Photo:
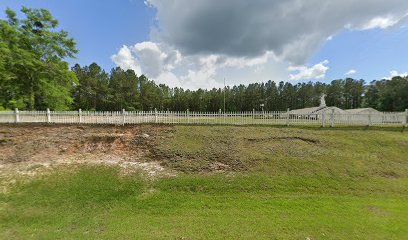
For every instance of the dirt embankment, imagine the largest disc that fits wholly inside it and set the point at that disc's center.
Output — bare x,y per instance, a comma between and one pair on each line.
26,149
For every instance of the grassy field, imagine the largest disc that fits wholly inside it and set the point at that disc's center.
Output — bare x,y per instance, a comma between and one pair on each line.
231,183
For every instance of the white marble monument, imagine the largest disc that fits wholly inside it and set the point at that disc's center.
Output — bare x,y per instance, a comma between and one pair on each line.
322,100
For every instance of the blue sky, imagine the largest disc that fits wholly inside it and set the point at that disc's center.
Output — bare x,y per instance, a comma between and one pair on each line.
100,28
372,53
198,44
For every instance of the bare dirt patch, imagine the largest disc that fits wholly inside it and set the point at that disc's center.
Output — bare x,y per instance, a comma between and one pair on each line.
404,143
377,211
308,140
389,174
28,149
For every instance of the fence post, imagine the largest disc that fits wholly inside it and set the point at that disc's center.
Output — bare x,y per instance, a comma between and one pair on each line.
220,117
123,117
48,115
369,119
253,116
188,116
287,117
155,115
323,118
17,119
332,118
406,117
80,115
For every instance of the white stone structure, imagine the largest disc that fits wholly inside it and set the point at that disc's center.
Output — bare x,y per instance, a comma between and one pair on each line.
322,100
317,112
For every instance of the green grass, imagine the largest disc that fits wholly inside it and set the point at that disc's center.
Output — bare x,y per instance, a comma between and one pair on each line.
351,184
340,152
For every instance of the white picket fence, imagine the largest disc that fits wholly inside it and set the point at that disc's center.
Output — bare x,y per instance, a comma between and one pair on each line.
328,118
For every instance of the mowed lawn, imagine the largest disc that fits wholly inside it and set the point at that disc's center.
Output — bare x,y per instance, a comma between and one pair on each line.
232,183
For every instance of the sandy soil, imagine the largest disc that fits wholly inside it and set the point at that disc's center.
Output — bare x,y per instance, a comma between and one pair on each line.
28,149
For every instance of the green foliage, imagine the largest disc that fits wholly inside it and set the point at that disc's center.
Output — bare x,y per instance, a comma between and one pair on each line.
100,91
346,94
92,90
388,95
123,89
118,90
33,74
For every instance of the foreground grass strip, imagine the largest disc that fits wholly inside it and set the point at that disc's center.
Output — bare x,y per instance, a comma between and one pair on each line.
97,202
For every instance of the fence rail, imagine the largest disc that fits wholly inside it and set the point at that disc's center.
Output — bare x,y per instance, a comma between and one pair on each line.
328,118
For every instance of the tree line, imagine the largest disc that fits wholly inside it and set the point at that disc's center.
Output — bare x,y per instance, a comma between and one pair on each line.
119,89
35,75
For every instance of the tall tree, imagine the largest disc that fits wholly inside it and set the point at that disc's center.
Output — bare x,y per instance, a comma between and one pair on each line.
124,90
35,75
393,94
92,92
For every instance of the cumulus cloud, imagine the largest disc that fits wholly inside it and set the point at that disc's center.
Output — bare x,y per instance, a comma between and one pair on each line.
159,61
350,72
126,60
151,59
154,59
396,74
382,22
195,44
317,71
292,29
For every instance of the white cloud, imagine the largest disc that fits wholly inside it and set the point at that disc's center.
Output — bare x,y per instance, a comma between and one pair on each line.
151,59
293,29
155,59
168,78
241,62
166,65
382,22
195,44
317,71
396,74
350,72
203,70
126,60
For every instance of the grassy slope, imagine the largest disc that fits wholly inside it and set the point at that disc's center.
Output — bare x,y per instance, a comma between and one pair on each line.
338,184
